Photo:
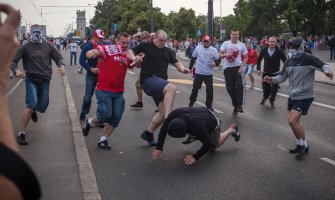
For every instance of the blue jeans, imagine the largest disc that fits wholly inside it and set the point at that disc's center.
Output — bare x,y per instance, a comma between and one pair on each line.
91,81
110,107
37,95
73,54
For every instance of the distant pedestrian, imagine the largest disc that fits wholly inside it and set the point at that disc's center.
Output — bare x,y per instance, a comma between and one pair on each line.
331,45
300,70
232,51
181,122
64,44
57,43
73,46
37,76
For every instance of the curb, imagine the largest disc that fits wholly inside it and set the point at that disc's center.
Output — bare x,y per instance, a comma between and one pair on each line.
88,181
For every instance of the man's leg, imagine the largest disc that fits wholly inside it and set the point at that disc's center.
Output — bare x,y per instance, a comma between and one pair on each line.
233,130
209,91
299,133
158,119
91,82
25,118
197,82
230,86
75,58
274,90
266,90
71,54
239,91
169,95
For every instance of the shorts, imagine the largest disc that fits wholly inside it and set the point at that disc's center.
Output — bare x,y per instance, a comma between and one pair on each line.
111,106
247,69
138,83
154,86
215,136
37,95
301,105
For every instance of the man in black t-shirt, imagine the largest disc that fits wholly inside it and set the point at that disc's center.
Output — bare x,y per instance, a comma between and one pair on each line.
153,78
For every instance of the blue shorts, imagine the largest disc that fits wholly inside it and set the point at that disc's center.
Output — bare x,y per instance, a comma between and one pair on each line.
37,95
247,69
154,86
301,105
110,107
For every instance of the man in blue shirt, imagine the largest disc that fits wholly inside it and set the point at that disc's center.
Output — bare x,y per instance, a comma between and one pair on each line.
208,58
92,71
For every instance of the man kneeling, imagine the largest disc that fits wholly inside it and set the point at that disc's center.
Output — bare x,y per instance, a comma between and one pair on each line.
201,124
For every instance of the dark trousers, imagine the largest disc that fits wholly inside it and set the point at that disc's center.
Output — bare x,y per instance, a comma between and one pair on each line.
234,85
269,90
197,83
91,82
73,54
332,52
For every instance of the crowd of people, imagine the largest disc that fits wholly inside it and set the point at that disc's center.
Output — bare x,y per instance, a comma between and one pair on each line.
106,64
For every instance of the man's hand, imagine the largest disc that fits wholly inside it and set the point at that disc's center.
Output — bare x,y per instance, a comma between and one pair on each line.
240,70
189,160
185,71
330,75
267,79
62,71
92,54
258,72
212,64
19,74
8,40
156,153
94,70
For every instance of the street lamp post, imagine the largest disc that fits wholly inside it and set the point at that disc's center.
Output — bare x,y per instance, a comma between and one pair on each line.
151,18
210,19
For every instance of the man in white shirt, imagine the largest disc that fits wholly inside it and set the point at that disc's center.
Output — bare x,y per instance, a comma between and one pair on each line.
73,46
231,51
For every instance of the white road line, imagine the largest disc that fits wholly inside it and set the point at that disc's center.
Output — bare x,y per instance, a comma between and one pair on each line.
12,90
216,110
281,147
328,160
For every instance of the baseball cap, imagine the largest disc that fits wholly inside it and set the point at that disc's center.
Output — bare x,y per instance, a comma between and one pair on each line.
206,37
99,34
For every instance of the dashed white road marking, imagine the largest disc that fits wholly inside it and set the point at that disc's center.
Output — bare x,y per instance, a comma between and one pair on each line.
328,160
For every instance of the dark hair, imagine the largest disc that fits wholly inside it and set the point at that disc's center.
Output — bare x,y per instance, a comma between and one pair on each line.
234,30
123,34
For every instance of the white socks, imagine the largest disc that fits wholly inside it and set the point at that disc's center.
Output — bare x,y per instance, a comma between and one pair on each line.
302,142
102,138
21,133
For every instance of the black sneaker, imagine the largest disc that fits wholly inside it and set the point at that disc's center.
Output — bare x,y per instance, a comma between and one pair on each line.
211,109
21,139
149,137
262,102
190,105
237,134
34,116
190,139
301,152
240,109
104,145
86,128
82,116
137,105
235,111
295,150
272,104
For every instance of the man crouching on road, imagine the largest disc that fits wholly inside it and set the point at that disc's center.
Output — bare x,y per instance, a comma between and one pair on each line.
110,87
181,121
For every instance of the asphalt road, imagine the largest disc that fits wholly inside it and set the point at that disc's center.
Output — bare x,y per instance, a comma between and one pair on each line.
257,167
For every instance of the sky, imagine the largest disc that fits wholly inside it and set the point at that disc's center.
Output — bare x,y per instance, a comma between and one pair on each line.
57,18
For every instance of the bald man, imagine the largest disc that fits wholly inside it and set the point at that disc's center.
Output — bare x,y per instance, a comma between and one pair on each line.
153,78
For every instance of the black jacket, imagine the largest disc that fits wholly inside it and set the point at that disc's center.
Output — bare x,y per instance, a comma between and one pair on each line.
271,63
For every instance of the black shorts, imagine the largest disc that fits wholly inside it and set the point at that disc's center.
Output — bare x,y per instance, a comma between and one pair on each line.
301,105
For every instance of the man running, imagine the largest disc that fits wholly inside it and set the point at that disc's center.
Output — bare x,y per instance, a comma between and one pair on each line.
272,55
36,55
231,51
110,87
208,58
300,69
153,78
181,122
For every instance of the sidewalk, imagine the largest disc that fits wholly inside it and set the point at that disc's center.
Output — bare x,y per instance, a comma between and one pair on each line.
319,76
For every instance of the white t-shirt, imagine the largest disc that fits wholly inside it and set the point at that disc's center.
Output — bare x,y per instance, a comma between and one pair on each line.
235,50
57,41
205,56
73,47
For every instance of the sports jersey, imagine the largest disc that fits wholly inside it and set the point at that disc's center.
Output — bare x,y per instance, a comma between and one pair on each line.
235,51
205,56
113,68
